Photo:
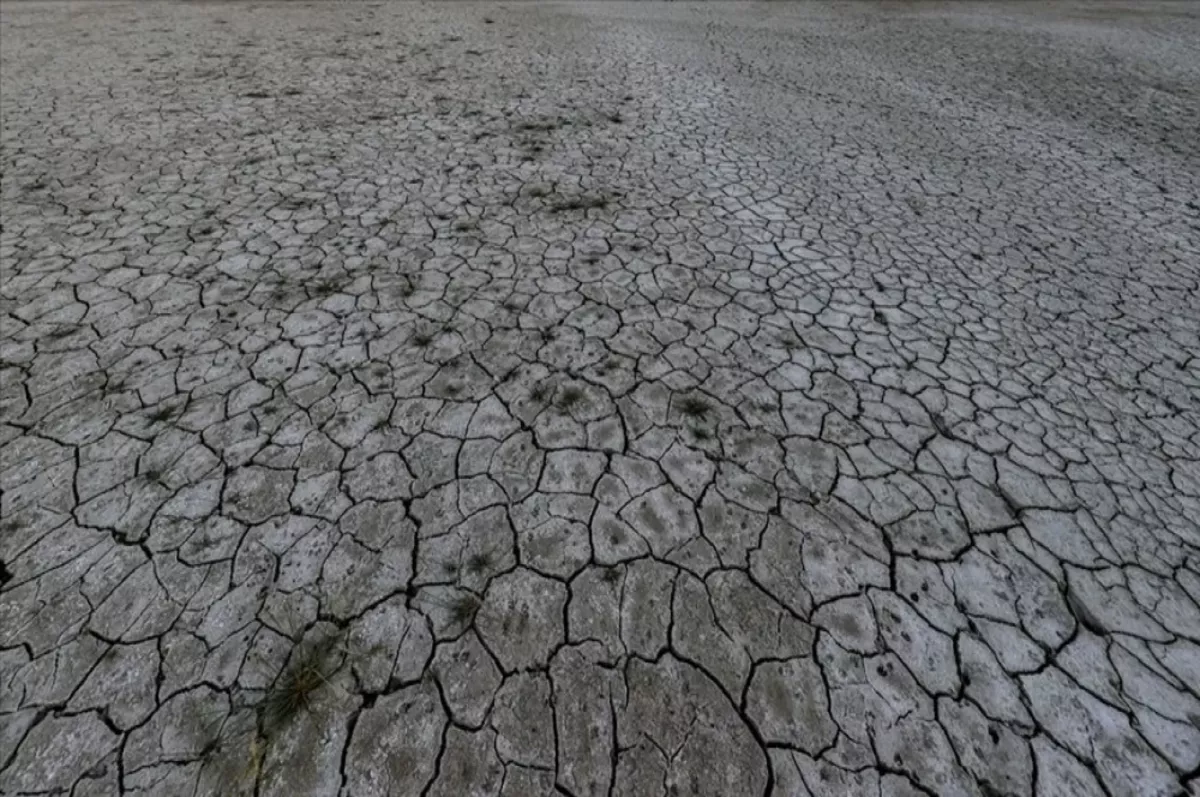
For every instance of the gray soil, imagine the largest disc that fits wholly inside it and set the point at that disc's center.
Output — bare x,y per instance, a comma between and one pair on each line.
600,399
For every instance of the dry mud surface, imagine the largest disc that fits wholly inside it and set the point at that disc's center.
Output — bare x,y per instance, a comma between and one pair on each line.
600,399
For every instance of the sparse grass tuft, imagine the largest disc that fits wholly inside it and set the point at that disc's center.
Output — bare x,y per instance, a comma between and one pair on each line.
543,126
580,203
325,288
540,393
694,407
569,397
310,669
463,609
479,562
701,434
611,575
422,339
162,413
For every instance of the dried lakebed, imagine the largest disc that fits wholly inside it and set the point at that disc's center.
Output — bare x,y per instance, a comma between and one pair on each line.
599,399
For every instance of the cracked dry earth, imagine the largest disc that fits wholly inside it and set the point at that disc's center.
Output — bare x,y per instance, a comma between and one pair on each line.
612,399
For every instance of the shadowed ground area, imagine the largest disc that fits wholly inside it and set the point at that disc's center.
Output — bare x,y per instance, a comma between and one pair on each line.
600,399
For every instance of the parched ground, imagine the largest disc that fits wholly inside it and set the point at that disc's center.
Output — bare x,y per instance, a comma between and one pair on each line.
608,399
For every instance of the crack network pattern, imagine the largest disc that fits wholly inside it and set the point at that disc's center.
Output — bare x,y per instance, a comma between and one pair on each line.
600,399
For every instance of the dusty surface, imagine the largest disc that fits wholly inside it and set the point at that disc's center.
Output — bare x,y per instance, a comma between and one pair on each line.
600,400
